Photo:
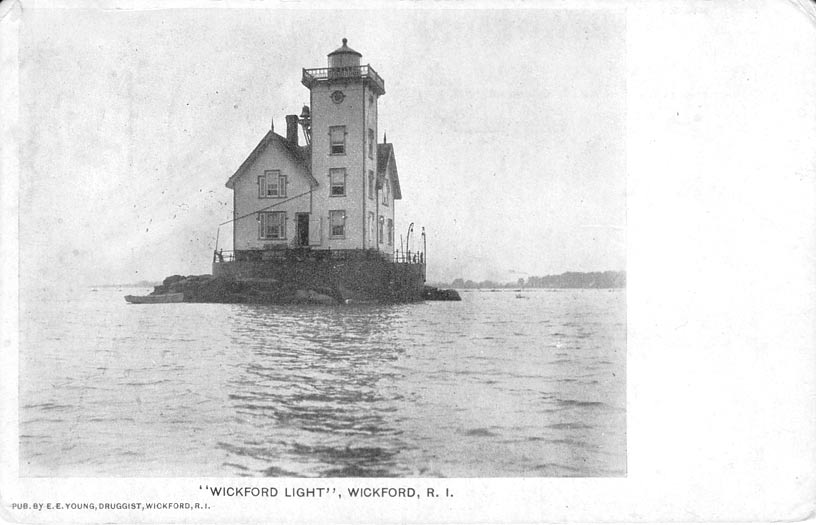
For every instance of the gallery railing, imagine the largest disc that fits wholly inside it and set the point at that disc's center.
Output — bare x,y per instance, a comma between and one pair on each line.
324,74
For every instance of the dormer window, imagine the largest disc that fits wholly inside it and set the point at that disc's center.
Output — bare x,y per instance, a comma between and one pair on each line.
271,185
337,136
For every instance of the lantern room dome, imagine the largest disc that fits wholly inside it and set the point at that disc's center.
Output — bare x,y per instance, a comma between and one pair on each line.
344,56
345,49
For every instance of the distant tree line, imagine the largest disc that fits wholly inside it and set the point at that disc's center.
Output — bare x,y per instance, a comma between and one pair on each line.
565,280
137,284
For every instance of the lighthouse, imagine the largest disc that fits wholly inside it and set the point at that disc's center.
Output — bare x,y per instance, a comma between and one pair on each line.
325,208
344,99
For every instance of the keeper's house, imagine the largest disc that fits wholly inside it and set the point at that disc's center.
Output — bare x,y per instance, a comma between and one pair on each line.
332,197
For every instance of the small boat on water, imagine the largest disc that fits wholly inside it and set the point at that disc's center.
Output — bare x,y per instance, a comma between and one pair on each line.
153,299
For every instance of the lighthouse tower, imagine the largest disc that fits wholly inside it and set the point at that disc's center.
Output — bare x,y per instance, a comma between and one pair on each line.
359,204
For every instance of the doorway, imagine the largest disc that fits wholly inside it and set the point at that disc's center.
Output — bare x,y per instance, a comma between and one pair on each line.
302,229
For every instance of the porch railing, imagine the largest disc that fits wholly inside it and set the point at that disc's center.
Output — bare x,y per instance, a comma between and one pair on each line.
408,257
281,253
220,256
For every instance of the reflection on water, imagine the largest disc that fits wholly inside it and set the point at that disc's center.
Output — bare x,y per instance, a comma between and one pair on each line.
491,386
311,379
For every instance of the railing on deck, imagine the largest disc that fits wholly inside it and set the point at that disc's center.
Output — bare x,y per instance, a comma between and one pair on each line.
220,256
323,74
409,257
283,253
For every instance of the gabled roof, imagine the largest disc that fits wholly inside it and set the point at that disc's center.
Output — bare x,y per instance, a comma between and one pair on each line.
386,160
301,155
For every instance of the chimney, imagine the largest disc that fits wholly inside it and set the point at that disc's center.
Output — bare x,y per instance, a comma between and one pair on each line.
292,129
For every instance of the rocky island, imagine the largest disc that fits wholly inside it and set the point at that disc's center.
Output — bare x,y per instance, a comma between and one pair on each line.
210,289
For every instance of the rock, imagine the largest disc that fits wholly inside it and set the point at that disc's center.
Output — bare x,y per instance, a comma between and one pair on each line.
209,289
310,296
451,295
350,296
258,281
172,279
429,293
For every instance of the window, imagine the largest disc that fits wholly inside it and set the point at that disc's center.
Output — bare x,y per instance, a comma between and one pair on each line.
337,224
338,140
371,239
390,232
386,191
271,184
337,182
370,184
380,229
272,225
370,143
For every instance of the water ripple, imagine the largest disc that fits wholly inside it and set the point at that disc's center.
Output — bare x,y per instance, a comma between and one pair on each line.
490,386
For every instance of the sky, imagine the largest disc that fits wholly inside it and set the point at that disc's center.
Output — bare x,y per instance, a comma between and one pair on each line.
508,128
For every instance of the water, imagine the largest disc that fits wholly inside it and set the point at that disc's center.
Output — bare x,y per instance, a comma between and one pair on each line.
493,386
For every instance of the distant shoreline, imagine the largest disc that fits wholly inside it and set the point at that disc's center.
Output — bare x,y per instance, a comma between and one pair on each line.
140,284
566,280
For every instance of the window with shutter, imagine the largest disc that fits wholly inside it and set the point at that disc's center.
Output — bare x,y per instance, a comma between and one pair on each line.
272,225
272,184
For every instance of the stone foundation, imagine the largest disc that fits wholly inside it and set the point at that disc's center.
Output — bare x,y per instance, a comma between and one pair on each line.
359,278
